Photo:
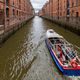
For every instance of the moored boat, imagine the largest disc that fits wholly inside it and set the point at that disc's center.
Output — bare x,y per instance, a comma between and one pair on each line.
63,53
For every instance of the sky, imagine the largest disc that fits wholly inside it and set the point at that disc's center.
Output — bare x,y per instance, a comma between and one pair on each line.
38,4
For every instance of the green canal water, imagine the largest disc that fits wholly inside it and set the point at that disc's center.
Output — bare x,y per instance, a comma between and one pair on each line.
24,55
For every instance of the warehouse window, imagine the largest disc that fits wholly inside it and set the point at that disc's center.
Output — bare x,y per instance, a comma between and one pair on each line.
19,4
76,2
7,2
79,2
68,12
17,12
7,12
72,4
13,2
77,14
72,14
19,1
13,12
67,3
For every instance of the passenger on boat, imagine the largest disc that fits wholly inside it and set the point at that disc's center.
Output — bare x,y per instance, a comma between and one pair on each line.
61,55
58,41
74,63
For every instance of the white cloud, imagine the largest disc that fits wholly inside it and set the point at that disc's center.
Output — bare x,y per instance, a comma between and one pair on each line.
37,4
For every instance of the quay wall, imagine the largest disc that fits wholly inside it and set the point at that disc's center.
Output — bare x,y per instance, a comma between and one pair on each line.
71,25
4,35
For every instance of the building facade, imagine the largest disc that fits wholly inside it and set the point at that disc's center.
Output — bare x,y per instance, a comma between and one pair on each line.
13,13
17,11
64,12
1,12
75,10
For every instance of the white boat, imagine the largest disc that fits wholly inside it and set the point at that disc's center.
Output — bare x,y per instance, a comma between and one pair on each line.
63,53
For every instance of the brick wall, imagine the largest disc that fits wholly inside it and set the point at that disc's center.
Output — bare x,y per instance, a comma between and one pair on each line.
1,13
64,12
17,11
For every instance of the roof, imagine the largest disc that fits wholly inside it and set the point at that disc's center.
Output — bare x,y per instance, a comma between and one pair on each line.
52,34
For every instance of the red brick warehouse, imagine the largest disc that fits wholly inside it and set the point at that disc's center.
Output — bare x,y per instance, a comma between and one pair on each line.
14,13
64,12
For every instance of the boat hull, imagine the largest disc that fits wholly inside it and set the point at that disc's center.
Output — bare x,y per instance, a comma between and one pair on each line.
68,72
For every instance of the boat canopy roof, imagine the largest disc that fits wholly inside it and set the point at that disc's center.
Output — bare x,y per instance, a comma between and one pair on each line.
52,34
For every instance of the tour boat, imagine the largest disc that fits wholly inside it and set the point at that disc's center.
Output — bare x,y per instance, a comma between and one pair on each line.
63,53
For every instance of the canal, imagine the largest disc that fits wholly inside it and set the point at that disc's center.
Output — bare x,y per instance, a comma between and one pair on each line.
24,55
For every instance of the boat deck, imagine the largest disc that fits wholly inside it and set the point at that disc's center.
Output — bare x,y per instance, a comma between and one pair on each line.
65,51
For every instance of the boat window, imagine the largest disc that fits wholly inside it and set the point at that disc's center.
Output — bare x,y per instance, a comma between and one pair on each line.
52,40
71,54
56,40
51,31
